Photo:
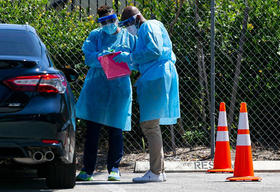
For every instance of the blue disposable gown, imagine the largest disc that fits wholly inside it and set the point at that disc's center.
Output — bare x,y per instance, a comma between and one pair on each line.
104,101
157,87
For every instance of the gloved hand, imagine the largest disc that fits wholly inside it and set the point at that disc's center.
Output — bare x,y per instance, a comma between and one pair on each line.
104,52
123,57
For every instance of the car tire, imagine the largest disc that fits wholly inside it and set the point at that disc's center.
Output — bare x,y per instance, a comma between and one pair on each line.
61,176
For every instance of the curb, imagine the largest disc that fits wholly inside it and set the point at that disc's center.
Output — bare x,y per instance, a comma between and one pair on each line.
202,166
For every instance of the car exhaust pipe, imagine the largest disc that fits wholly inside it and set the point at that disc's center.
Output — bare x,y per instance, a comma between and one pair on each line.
49,155
38,156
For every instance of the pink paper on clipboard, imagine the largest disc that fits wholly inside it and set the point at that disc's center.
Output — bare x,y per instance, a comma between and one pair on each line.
111,68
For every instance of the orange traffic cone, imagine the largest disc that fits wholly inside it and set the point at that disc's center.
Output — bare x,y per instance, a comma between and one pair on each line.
222,159
243,166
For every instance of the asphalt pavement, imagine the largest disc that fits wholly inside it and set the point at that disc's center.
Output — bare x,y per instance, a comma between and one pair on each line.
176,182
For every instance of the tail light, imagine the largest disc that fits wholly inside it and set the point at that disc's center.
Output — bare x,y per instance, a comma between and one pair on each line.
45,83
50,141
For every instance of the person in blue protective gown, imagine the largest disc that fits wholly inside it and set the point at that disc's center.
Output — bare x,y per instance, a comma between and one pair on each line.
102,102
157,87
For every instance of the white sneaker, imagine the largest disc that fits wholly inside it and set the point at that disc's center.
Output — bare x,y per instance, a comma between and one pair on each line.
149,177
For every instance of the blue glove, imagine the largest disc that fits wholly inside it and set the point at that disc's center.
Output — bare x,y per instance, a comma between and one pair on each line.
123,57
104,52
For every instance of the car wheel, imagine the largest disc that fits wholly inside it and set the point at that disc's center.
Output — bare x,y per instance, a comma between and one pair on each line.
61,176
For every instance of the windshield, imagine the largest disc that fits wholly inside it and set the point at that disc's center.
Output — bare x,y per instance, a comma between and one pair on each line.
19,43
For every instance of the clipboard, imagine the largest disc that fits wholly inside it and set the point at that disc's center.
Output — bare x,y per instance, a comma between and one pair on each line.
111,68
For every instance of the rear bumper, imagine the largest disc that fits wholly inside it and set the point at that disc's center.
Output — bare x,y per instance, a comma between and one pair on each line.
32,126
21,136
27,129
16,148
25,149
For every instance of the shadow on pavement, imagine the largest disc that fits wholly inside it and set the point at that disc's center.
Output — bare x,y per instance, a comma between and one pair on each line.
99,182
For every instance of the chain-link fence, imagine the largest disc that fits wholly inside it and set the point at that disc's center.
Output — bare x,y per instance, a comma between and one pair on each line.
247,55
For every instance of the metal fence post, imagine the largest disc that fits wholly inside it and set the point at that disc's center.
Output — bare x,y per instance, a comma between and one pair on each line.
80,9
173,139
97,5
88,7
73,3
117,6
212,78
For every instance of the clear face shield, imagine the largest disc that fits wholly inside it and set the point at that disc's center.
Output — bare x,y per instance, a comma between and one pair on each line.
130,24
109,23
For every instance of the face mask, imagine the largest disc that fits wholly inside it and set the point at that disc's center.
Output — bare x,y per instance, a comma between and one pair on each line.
110,28
132,29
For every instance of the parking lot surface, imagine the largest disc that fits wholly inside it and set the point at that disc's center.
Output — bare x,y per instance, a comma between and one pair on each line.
176,182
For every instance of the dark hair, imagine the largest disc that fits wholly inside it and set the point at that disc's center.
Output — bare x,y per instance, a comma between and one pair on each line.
104,10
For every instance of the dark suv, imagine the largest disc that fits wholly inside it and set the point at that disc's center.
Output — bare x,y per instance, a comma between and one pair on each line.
37,116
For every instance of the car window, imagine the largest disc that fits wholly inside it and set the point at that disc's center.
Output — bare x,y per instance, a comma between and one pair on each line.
19,43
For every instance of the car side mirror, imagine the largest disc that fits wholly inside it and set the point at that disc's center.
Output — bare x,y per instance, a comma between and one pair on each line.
70,74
